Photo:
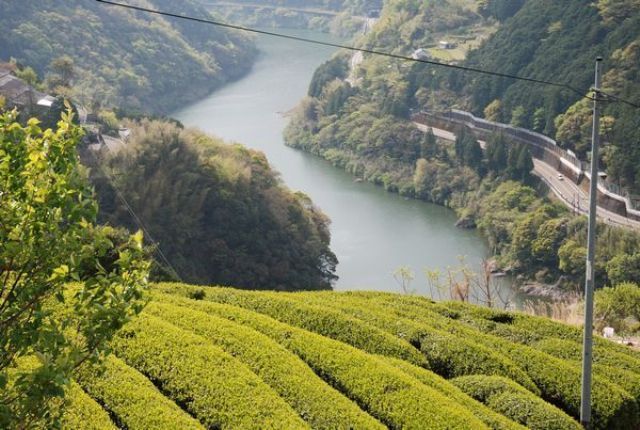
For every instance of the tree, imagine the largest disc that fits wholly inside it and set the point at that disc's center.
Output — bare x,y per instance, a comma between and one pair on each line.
518,116
619,307
63,72
48,239
428,147
624,268
493,111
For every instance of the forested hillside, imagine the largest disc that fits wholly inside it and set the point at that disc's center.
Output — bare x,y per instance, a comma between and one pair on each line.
343,17
218,211
360,119
559,41
117,58
228,359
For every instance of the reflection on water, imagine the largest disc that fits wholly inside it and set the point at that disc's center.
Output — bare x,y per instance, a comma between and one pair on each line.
373,232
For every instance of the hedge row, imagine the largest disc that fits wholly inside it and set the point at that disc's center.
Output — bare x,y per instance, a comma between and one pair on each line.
324,321
510,399
315,401
204,380
570,350
448,355
388,394
81,412
558,380
489,417
528,329
615,367
132,399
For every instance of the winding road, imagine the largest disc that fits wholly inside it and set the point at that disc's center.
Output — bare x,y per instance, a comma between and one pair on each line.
565,190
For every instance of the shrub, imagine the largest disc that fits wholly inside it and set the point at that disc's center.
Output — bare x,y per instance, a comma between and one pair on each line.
324,321
210,384
558,380
448,355
527,328
132,399
388,394
483,413
317,403
510,399
81,412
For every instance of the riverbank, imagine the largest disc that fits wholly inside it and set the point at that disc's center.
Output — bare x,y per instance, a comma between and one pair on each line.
372,232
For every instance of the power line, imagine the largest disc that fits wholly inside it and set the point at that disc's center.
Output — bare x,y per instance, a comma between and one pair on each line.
366,50
135,216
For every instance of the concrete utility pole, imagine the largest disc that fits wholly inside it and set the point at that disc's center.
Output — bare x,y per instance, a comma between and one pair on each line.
587,348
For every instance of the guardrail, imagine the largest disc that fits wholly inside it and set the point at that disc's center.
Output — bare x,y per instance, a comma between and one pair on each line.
541,141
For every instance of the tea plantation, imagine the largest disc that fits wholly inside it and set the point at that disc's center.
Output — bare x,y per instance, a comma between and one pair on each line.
220,358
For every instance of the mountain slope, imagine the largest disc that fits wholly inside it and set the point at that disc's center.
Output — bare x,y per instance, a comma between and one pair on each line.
219,212
134,61
358,360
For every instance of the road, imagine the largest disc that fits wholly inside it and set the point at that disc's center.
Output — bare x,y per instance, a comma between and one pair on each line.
564,189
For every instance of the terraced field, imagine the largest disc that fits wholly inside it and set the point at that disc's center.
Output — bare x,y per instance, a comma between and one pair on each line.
219,358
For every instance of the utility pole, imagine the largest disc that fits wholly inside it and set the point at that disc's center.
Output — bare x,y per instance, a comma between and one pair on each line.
587,348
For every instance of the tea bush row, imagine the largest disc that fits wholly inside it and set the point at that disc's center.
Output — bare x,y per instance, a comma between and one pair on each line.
315,401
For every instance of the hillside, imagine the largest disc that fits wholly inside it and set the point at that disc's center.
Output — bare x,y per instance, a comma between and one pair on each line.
343,17
219,212
360,120
222,358
132,61
559,41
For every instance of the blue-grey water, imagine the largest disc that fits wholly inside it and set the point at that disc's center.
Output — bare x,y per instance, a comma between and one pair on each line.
373,232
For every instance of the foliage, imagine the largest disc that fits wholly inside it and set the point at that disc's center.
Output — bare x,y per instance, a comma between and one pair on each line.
82,412
619,307
161,63
316,402
132,400
251,231
386,393
48,238
510,399
319,320
210,384
492,419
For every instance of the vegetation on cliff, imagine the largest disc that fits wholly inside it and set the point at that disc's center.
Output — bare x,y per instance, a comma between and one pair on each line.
112,57
218,211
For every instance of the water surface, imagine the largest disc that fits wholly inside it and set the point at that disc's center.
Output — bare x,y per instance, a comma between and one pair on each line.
373,232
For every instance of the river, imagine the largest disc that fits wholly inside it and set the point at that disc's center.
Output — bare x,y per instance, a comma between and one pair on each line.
373,232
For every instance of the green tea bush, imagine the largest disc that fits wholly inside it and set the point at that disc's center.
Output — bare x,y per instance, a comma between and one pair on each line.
570,350
210,384
315,401
134,400
489,417
81,412
448,355
523,328
386,393
558,380
510,399
324,321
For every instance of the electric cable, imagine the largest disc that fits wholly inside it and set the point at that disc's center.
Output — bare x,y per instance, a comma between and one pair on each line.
366,51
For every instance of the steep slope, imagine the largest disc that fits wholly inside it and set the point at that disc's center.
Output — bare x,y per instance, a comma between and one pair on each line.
134,61
219,212
305,360
559,41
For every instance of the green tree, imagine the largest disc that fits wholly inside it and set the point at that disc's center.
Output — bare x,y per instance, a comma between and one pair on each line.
619,307
47,240
428,146
518,116
624,268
